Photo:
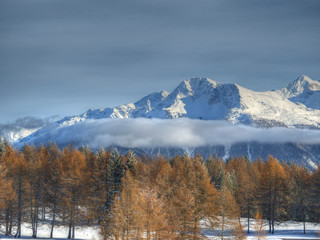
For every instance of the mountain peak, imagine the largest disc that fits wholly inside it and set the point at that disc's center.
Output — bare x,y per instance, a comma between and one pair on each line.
195,84
200,80
302,84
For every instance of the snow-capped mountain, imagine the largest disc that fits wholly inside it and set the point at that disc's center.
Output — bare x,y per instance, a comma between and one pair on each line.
295,106
16,134
305,91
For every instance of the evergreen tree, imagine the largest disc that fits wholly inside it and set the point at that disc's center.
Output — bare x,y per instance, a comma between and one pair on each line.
115,172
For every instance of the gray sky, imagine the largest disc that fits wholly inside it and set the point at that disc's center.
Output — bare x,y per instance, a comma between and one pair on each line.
65,56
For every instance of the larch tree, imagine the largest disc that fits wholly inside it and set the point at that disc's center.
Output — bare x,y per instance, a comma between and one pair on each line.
19,171
259,226
53,186
35,160
194,200
245,191
273,191
7,196
74,185
228,213
155,214
8,157
315,195
125,218
299,205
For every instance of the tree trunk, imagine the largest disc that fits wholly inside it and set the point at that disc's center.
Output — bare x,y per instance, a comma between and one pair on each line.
248,218
7,221
73,231
53,215
43,213
70,227
18,234
222,232
11,221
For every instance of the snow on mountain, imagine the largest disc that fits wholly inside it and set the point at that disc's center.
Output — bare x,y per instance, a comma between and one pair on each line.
301,85
303,90
297,105
17,134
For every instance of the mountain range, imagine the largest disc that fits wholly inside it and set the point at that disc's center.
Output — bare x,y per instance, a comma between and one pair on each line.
294,106
297,105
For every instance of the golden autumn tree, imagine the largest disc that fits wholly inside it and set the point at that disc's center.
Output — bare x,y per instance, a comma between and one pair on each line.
9,199
19,179
7,196
228,213
259,226
245,191
314,195
35,160
74,186
194,197
156,215
53,187
273,191
125,219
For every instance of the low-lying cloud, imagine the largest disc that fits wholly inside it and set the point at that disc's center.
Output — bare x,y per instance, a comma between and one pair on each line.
17,129
184,133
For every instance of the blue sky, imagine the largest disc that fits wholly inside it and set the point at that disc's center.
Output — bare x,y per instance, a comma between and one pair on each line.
61,57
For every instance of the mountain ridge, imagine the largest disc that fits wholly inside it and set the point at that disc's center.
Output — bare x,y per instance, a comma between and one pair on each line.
206,99
203,98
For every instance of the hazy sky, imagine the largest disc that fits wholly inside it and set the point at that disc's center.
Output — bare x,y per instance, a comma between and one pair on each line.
65,56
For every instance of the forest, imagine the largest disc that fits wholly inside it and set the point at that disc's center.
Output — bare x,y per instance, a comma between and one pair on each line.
131,197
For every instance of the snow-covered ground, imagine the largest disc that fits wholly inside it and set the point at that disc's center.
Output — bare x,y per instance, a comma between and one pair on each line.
283,231
292,230
60,232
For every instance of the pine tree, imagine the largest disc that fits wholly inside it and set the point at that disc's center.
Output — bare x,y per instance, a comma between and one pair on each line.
115,172
130,161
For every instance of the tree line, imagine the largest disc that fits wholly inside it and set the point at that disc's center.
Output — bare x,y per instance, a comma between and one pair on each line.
132,197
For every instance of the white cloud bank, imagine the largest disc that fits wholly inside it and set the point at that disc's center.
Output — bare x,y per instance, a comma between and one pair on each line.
144,133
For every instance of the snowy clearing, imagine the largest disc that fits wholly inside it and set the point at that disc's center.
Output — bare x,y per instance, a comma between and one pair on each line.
283,231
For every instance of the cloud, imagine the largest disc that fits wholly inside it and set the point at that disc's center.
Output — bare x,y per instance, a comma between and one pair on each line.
22,126
27,122
181,133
